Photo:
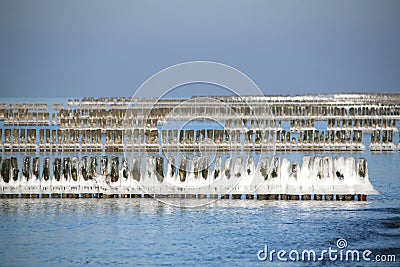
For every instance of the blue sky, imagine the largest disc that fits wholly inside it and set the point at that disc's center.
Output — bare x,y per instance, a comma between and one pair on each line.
109,48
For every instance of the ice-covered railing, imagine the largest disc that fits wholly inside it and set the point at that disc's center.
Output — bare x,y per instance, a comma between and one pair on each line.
156,175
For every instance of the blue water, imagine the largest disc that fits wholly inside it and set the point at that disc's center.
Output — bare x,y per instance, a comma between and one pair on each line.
145,232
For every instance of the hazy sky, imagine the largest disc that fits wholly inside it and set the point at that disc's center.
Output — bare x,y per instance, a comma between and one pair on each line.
109,48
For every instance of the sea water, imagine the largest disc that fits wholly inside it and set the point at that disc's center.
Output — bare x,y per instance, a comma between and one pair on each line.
146,232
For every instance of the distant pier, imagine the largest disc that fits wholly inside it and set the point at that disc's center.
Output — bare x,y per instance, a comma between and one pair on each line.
250,123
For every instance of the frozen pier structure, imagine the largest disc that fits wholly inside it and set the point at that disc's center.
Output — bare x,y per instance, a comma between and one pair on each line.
197,147
267,123
228,177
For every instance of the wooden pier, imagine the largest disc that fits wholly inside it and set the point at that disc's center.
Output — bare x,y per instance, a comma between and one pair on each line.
287,124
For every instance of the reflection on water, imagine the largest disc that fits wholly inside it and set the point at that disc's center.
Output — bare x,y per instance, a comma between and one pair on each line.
109,207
